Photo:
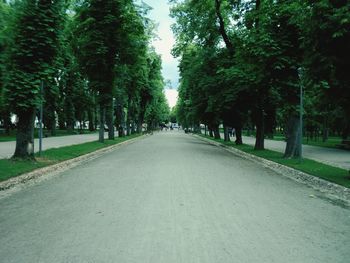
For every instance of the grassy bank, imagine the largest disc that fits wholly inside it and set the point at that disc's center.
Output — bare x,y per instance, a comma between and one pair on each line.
11,168
12,136
332,141
327,172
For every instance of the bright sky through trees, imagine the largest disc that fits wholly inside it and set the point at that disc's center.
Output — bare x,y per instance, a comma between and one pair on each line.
160,14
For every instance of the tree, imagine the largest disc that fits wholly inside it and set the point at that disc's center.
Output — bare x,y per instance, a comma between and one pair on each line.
99,31
254,76
35,39
326,38
157,108
5,18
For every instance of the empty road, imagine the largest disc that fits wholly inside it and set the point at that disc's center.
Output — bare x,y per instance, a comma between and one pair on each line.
172,198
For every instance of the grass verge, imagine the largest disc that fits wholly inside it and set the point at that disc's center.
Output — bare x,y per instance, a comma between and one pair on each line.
324,171
59,133
332,142
11,168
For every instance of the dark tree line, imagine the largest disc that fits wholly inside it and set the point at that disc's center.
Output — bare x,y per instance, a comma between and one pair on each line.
94,60
242,64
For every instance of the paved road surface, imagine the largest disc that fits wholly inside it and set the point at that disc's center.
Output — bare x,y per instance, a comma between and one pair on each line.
172,198
8,148
335,157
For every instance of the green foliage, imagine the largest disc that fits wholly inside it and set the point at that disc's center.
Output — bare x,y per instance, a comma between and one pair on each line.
98,33
88,53
240,61
326,41
157,110
36,31
5,14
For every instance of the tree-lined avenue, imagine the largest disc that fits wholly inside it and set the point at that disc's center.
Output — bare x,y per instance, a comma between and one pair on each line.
172,198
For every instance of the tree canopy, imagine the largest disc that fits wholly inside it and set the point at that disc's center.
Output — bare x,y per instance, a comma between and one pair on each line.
241,65
94,59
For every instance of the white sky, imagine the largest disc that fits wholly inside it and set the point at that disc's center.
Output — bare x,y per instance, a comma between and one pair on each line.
163,46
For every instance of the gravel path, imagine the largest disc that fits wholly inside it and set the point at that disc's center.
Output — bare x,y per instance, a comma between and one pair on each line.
172,198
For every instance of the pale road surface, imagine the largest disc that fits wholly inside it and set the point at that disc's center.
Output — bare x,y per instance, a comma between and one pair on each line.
335,157
169,198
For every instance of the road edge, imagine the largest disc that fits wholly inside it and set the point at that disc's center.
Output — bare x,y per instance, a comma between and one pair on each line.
332,190
55,169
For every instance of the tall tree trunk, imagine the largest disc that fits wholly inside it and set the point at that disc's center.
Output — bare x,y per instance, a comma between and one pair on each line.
49,113
70,114
292,132
133,129
345,131
217,132
121,131
50,119
128,124
61,119
69,110
260,134
7,122
211,134
81,126
53,127
96,118
222,28
102,123
226,134
123,124
109,119
91,120
139,124
269,123
25,135
128,119
238,132
325,130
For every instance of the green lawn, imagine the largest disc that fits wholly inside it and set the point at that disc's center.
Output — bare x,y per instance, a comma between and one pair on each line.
332,142
327,172
12,136
11,168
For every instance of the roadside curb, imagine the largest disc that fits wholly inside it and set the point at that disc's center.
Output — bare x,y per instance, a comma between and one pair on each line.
332,190
52,170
